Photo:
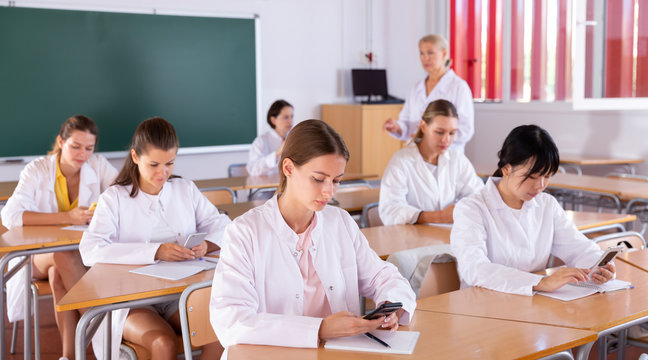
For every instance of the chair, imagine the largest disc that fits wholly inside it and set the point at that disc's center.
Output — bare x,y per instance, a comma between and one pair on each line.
580,198
40,290
262,194
639,207
219,195
370,216
633,177
194,317
629,239
236,170
439,279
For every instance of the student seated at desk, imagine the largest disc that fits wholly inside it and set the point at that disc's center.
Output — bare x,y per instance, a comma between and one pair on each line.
140,220
58,189
509,229
423,181
292,270
266,149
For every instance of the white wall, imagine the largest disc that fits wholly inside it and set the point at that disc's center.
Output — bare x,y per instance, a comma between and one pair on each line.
307,50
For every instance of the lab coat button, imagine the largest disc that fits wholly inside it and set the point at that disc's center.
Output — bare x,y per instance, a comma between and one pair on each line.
331,287
295,253
296,296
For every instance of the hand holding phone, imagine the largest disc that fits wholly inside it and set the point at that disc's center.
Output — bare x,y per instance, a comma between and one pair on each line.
385,309
609,255
194,240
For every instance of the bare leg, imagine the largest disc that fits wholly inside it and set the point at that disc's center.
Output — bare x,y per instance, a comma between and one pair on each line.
65,320
41,264
209,351
70,267
148,329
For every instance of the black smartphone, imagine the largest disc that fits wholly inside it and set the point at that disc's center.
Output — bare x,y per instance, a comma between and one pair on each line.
385,309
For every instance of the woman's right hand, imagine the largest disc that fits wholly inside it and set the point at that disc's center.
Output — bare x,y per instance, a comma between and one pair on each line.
79,216
392,126
560,278
173,252
344,323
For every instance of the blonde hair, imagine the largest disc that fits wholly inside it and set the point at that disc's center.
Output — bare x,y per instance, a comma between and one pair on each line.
439,41
434,109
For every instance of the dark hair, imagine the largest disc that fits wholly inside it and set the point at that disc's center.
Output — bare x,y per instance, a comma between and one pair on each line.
156,132
529,142
76,122
275,109
308,140
436,108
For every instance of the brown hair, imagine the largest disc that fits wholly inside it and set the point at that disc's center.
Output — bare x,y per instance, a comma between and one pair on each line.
275,110
440,42
155,132
76,122
308,140
436,108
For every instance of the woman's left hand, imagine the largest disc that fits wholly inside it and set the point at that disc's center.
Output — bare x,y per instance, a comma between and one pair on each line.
391,322
200,250
604,273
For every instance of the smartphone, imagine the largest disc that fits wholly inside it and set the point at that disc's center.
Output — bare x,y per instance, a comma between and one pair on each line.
385,309
194,240
609,254
92,206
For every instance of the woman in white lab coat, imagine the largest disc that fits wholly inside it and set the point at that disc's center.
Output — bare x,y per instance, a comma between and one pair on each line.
507,231
440,83
140,220
292,270
58,189
266,148
423,181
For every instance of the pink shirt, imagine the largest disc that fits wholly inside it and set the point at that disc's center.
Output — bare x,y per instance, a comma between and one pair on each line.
315,302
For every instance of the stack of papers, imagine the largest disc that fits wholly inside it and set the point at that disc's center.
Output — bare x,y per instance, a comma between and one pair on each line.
176,270
401,342
571,292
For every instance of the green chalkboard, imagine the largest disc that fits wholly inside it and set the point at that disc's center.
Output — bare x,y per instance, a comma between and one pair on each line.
119,68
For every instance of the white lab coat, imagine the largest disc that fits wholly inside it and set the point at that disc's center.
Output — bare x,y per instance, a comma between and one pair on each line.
258,291
497,251
263,159
450,87
121,229
409,185
35,192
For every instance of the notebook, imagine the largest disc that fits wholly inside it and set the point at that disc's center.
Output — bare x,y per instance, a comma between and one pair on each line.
176,270
571,292
76,228
401,342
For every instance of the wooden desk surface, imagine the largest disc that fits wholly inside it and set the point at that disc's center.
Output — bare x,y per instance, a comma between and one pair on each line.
6,189
34,237
109,283
447,336
624,189
596,160
587,220
638,259
386,240
595,312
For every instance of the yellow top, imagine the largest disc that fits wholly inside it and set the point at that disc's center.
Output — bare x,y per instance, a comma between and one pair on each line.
61,191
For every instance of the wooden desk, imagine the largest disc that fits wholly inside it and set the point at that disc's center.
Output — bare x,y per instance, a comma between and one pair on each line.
624,189
576,161
386,240
588,220
638,259
6,189
447,336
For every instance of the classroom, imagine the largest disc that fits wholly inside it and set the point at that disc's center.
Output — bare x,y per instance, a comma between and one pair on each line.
304,52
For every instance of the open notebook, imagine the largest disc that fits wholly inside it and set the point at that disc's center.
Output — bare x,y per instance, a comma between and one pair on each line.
401,342
176,270
571,292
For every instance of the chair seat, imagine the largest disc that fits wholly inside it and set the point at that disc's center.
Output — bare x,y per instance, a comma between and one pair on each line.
43,287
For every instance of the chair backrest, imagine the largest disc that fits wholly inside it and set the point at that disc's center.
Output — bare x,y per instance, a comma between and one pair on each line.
262,194
194,317
440,278
236,170
370,216
578,198
353,185
219,195
633,177
639,207
2,229
629,239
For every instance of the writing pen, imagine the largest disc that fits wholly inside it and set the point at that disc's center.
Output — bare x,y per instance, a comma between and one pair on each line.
376,339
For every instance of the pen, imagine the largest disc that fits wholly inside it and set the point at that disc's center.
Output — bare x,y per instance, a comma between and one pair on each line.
376,339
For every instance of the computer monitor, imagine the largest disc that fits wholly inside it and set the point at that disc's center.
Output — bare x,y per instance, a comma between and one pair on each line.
369,82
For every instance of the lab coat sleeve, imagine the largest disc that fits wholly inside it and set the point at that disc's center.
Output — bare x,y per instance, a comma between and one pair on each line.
100,244
469,182
404,120
208,219
233,309
393,207
108,173
569,244
258,162
23,198
468,241
466,111
378,279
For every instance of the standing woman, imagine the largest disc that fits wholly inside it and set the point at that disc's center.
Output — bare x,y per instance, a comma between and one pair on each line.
266,149
292,270
509,229
140,220
440,83
423,181
58,189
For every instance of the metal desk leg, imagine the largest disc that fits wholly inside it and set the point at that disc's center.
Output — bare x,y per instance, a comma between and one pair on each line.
582,352
622,340
27,322
108,336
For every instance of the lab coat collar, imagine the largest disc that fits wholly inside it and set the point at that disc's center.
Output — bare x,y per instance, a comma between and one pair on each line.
87,178
442,87
281,228
494,199
441,164
145,203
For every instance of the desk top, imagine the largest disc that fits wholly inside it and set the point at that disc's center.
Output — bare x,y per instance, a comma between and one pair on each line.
638,259
448,336
34,237
6,189
109,283
596,160
595,312
386,240
624,189
587,220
